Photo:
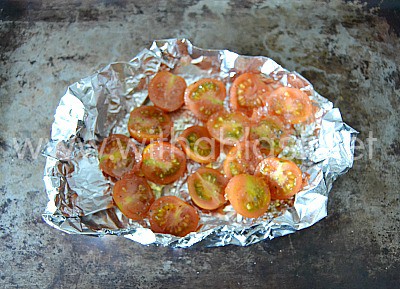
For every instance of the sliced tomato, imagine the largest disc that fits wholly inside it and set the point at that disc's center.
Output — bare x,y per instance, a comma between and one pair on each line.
166,91
198,144
268,130
248,92
118,156
291,105
229,127
171,215
242,159
163,163
284,177
133,197
149,123
205,97
248,195
207,188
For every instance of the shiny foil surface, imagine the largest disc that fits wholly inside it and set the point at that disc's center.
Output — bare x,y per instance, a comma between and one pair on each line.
80,196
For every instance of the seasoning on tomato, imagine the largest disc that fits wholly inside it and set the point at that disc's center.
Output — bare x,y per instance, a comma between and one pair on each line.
248,92
207,188
242,159
118,156
163,163
229,128
171,215
198,144
133,196
166,91
248,195
284,177
205,97
267,130
149,123
290,104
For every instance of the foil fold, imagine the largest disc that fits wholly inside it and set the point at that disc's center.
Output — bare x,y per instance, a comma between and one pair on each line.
80,196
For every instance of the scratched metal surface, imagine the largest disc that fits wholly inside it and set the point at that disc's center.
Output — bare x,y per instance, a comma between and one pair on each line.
350,56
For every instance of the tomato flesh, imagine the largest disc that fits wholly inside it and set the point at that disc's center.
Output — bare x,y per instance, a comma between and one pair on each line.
229,128
284,177
242,159
248,195
166,91
118,156
205,97
207,188
148,123
133,196
163,163
291,105
199,145
171,215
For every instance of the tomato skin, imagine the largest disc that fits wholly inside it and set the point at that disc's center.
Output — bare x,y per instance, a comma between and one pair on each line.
171,215
166,91
229,128
207,188
291,105
149,123
205,97
163,163
284,177
133,196
248,195
242,159
198,145
118,156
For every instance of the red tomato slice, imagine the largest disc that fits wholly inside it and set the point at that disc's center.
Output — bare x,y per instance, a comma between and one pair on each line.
291,105
118,156
248,195
163,163
148,123
268,130
248,92
133,197
199,145
166,91
284,177
229,127
205,97
171,215
207,188
242,159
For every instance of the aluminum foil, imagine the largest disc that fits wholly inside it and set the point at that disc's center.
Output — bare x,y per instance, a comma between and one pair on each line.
80,196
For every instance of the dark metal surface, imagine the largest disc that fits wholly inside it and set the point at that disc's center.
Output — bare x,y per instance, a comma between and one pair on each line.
348,53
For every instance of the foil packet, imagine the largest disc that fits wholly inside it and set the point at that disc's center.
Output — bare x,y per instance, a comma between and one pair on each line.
80,196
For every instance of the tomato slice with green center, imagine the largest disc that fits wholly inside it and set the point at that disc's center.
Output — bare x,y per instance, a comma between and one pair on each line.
284,177
291,105
242,159
248,92
268,130
166,91
171,215
163,163
207,188
118,156
133,197
229,127
198,144
205,97
149,123
248,195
